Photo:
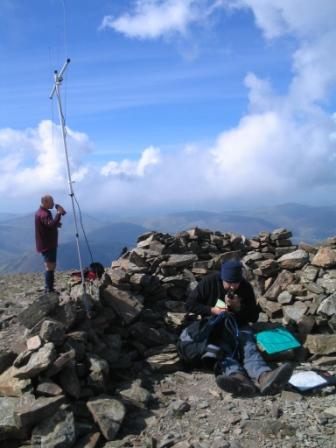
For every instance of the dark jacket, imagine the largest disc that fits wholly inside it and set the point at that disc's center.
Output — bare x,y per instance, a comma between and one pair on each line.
210,289
46,229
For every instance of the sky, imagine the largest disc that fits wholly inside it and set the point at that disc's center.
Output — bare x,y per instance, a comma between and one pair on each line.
169,104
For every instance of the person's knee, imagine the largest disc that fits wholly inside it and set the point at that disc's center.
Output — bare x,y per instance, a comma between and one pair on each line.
247,336
50,266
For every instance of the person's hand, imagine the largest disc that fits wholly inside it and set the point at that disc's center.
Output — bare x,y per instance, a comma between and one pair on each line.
233,303
60,210
216,310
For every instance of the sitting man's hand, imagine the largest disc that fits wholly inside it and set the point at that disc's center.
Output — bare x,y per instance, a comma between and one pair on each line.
233,303
217,310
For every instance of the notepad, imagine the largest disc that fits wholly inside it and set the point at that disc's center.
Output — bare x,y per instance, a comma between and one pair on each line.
220,304
276,340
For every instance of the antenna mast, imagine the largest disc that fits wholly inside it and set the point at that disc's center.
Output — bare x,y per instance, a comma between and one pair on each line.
58,76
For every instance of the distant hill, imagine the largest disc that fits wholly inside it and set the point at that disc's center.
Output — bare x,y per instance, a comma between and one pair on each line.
308,223
7,216
17,254
17,244
224,222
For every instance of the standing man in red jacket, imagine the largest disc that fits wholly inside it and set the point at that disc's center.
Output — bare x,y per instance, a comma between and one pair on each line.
46,237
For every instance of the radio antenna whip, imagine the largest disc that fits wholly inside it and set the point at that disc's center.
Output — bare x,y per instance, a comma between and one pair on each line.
58,76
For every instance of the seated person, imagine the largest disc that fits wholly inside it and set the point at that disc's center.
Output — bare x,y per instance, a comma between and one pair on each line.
229,295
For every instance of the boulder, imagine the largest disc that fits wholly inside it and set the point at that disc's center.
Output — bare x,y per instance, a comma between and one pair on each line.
294,313
328,306
52,331
57,431
325,258
10,386
38,362
321,344
38,310
9,428
30,411
125,304
135,396
294,260
283,280
108,413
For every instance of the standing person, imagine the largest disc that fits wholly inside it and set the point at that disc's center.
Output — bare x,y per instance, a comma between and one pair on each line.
230,297
46,237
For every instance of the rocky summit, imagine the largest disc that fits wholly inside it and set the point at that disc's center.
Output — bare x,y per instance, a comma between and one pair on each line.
112,377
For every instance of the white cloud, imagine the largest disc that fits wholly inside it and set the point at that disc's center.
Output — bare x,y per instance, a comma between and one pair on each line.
129,168
305,18
282,149
32,161
157,18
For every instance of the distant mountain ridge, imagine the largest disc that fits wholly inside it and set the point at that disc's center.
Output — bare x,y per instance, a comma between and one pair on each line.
17,254
17,244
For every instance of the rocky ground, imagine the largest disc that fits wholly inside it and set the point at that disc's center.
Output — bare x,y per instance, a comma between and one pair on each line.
185,409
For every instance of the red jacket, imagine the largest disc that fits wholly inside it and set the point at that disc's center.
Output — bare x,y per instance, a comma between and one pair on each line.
46,229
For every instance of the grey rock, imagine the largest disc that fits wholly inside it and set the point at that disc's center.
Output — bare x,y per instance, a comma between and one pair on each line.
180,261
99,373
329,284
321,344
328,306
58,431
149,335
30,411
39,309
309,273
294,260
8,425
108,413
39,361
60,363
164,359
272,309
179,407
70,382
294,313
283,280
136,396
280,234
48,388
267,268
285,298
126,305
52,331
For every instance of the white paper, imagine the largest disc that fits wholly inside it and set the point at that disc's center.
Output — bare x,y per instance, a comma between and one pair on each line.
306,380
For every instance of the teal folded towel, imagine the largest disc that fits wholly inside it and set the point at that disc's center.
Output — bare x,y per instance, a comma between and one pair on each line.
276,340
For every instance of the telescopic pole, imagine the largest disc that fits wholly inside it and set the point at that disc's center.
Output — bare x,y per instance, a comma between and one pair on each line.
58,76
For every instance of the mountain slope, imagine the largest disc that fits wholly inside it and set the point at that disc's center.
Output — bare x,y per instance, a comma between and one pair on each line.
105,244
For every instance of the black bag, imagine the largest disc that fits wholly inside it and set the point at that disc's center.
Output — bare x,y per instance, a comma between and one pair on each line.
193,345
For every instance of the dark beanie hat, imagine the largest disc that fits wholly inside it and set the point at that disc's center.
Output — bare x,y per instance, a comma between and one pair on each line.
231,271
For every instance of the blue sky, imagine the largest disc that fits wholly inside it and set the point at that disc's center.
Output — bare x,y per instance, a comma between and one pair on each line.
170,104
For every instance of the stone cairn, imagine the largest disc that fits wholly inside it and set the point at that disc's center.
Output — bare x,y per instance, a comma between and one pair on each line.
78,378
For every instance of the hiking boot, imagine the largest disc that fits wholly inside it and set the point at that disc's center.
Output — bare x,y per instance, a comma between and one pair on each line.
236,384
274,381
